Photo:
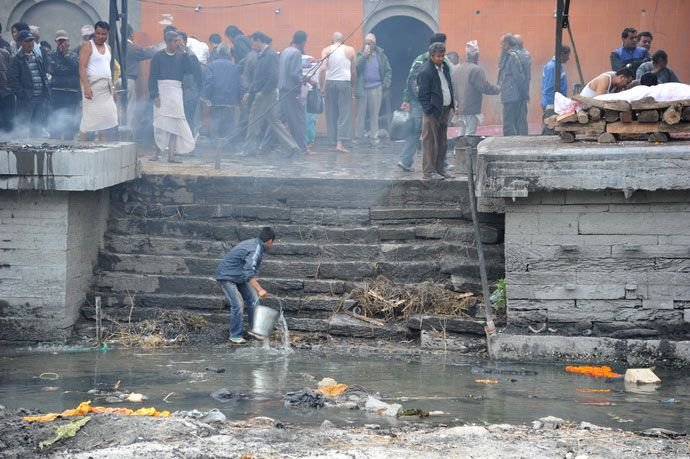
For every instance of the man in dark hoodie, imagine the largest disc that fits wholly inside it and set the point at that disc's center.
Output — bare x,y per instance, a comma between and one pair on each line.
512,80
236,275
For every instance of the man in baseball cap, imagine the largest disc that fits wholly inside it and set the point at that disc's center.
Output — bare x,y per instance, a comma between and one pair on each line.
27,79
66,92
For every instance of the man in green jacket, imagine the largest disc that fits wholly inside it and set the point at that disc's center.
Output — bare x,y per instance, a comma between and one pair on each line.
374,75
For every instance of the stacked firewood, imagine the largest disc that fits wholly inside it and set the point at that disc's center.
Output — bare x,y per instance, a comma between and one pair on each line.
613,120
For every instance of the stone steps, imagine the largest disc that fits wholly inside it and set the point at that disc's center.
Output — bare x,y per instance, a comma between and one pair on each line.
119,282
422,249
289,232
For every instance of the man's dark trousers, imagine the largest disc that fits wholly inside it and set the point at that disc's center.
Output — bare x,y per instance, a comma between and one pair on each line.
292,112
512,115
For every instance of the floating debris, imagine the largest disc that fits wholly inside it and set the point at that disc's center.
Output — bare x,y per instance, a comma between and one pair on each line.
597,372
486,381
592,391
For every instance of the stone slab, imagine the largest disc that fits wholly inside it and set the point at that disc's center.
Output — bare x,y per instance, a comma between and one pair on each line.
510,168
70,168
584,349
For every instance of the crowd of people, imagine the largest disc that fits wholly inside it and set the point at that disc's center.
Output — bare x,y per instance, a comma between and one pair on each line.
259,99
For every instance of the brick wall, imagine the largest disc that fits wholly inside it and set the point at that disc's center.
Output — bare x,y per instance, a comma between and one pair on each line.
596,263
48,245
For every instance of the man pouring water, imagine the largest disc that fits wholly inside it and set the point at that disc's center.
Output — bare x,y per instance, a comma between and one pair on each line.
236,275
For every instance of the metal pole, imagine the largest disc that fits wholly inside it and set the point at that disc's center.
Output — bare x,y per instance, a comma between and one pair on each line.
559,43
490,328
123,63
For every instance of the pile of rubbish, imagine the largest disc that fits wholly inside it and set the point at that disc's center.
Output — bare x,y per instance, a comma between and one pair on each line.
650,112
385,300
330,393
167,328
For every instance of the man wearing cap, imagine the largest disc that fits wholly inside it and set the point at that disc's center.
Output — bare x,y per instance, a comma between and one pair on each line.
65,90
99,112
35,31
27,80
470,84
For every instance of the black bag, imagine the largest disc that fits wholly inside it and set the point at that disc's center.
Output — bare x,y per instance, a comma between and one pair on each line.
401,125
314,101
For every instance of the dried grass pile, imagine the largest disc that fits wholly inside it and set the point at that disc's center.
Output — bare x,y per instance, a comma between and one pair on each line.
166,328
387,301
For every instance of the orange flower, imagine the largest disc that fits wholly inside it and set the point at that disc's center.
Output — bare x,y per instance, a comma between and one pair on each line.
85,408
597,372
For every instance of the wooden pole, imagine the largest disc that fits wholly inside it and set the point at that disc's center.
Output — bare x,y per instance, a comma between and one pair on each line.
559,42
99,336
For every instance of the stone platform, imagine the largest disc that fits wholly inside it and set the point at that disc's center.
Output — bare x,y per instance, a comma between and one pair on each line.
54,203
597,239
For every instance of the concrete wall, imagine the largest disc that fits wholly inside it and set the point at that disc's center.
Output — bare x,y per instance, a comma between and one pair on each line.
87,220
594,263
48,246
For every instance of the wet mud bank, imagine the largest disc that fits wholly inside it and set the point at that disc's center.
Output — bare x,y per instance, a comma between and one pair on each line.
106,436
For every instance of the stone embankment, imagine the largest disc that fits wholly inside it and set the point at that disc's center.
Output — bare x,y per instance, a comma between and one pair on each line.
166,235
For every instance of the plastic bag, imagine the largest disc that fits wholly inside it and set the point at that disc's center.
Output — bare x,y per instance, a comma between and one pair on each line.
314,101
401,125
563,105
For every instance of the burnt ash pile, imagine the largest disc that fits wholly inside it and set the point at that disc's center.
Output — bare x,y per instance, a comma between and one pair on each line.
167,234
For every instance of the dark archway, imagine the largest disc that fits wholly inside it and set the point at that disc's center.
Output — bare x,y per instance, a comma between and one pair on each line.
402,38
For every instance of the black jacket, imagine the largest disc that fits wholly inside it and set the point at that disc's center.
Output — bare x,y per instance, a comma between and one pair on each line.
19,77
65,71
266,72
430,93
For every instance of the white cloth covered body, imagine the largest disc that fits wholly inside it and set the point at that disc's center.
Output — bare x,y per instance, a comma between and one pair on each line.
666,92
99,112
169,118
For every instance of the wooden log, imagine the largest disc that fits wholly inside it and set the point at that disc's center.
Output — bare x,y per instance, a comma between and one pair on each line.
672,114
611,116
680,128
606,137
626,117
685,114
551,122
567,118
582,117
594,113
618,105
594,127
567,137
631,128
649,103
648,116
657,137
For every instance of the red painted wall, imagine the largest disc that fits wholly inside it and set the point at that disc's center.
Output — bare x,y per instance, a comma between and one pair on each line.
596,24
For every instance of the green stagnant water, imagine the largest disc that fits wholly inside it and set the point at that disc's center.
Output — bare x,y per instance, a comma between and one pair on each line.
428,383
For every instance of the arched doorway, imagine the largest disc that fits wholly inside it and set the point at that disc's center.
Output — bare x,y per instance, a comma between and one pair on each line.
51,15
402,38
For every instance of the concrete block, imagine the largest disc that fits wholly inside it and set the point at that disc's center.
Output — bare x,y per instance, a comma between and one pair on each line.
686,315
411,213
641,376
397,233
636,223
657,304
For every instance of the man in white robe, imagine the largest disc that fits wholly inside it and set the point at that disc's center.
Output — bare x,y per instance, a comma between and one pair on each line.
170,128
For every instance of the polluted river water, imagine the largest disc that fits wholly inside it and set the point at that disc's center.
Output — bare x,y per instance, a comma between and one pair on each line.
183,379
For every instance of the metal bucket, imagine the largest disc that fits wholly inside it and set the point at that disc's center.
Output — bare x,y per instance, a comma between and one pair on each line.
264,320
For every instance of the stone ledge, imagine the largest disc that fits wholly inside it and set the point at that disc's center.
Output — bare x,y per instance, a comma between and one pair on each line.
516,167
67,169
